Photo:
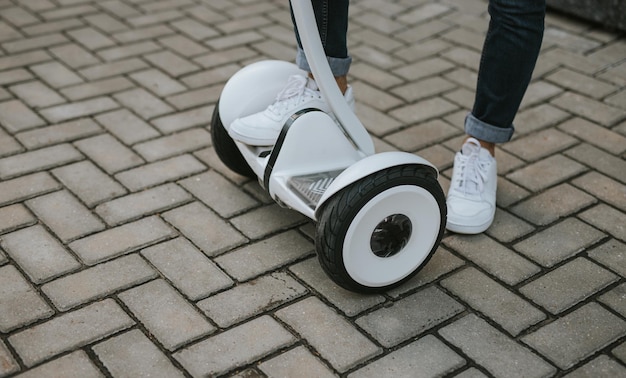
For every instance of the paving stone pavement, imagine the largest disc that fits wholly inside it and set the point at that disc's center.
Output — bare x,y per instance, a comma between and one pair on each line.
128,249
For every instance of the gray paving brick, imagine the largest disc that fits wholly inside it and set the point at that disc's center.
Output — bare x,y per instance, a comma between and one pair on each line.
602,187
538,117
559,242
88,182
109,153
13,76
154,18
68,11
56,74
495,258
611,255
290,363
13,217
140,34
620,352
601,367
607,219
115,68
96,88
222,353
166,314
539,145
74,55
588,108
126,126
183,45
194,98
119,8
409,316
183,120
494,351
23,59
15,116
347,302
121,240
507,227
32,161
157,82
593,134
128,50
160,172
175,144
576,336
546,172
33,43
37,94
204,228
603,162
132,354
422,135
8,144
211,76
265,220
90,38
246,300
21,304
24,187
52,26
8,365
568,285
615,299
423,110
426,357
218,193
197,30
187,268
483,294
143,103
73,365
257,258
147,202
52,259
171,63
97,282
65,215
58,133
69,331
552,204
84,108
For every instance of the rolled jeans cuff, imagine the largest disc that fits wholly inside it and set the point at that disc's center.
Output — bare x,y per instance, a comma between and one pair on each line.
486,132
338,66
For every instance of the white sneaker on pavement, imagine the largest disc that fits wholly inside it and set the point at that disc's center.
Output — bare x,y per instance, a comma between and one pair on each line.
263,128
472,195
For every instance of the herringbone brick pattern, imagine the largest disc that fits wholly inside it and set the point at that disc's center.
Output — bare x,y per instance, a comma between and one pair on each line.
128,249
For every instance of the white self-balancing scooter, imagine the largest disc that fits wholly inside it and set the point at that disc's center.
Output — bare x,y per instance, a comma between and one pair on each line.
380,217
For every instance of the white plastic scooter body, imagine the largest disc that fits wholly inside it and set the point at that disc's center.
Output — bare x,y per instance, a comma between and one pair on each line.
313,143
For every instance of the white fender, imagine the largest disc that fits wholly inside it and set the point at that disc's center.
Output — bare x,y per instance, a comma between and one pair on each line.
253,88
367,166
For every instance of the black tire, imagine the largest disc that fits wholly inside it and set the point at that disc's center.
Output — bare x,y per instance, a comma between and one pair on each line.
225,147
338,214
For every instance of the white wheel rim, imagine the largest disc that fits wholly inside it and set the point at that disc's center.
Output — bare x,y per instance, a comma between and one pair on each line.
412,201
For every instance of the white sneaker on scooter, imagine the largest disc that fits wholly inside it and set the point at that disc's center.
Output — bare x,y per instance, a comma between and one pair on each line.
472,195
263,128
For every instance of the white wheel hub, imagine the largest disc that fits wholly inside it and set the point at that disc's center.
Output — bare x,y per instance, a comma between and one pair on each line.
410,216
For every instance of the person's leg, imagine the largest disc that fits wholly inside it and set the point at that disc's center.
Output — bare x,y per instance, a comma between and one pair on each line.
508,59
332,23
301,91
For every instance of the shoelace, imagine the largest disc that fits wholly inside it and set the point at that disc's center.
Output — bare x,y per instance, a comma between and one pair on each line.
473,174
292,94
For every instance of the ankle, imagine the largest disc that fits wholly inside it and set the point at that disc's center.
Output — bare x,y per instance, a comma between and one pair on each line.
491,147
342,82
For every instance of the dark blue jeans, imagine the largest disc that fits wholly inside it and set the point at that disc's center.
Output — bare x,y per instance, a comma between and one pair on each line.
507,62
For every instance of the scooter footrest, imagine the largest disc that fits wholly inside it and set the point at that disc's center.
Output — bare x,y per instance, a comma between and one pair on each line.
311,187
